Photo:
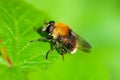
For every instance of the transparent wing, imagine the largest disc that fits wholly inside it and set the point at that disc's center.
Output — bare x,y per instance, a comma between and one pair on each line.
83,45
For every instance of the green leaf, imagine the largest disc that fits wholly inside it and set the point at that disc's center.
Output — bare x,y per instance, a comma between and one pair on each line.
17,20
12,73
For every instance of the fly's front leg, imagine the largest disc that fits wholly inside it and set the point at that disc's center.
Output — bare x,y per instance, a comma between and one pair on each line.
42,39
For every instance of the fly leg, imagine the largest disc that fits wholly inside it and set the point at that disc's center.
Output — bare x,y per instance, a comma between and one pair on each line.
63,57
62,52
61,49
42,39
45,39
49,52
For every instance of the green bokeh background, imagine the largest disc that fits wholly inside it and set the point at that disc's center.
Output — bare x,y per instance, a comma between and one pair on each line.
98,21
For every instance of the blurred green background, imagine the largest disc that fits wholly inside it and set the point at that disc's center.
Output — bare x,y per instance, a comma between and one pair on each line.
98,22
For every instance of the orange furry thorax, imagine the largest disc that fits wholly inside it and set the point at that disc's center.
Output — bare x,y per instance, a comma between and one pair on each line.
60,30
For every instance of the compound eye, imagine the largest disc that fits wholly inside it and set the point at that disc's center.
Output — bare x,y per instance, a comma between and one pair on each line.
48,29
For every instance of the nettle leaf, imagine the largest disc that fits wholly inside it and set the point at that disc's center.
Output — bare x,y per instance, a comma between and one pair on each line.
17,20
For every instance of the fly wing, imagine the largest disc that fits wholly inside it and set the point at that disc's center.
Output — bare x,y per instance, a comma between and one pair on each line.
83,45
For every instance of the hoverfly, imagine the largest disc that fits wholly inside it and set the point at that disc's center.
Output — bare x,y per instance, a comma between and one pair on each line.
63,38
